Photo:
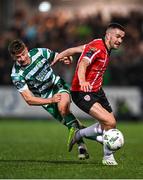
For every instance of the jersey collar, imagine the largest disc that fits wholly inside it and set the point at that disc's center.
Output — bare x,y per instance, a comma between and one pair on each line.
109,51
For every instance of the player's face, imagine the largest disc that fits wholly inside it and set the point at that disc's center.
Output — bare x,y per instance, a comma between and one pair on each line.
116,38
22,58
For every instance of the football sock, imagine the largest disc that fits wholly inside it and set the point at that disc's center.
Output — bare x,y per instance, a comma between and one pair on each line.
93,132
107,151
70,121
82,146
99,139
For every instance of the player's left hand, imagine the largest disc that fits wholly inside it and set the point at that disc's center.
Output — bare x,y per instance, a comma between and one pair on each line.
67,60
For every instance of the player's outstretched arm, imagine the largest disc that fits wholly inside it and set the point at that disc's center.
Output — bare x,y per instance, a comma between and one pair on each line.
67,53
32,100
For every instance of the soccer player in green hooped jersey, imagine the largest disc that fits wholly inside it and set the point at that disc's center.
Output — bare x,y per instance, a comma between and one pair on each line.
34,78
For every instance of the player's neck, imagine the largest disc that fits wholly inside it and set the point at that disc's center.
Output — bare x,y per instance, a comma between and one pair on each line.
107,45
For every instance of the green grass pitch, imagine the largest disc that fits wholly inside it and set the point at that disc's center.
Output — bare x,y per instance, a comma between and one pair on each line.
37,149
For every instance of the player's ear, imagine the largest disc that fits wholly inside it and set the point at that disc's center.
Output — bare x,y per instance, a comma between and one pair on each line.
26,49
108,35
13,57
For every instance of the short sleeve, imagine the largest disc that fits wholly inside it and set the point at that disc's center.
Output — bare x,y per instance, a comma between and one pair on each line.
19,83
48,54
91,53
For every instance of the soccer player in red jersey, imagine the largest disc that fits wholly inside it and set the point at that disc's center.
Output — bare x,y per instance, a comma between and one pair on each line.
87,92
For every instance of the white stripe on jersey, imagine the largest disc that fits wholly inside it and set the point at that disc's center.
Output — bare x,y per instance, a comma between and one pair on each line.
25,87
37,66
98,72
35,56
48,74
90,59
56,80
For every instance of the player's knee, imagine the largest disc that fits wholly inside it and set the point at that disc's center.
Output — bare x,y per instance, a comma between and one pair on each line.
112,124
63,111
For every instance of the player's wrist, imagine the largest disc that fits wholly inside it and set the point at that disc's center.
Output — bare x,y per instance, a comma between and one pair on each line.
51,100
82,82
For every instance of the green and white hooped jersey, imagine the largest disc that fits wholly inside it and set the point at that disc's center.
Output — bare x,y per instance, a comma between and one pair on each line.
38,76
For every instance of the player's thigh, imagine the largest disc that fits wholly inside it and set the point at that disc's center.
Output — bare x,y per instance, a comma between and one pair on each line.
53,110
99,112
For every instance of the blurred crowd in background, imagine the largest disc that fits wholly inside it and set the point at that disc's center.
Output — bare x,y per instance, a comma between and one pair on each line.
59,30
57,33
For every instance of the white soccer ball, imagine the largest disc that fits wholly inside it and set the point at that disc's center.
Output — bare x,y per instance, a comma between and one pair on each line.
114,139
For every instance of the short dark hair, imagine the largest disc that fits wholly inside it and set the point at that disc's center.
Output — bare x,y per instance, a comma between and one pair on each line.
116,25
16,47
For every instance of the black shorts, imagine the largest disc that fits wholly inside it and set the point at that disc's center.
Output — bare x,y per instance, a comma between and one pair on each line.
85,100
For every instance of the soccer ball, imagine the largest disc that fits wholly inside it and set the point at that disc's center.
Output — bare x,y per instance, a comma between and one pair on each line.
114,139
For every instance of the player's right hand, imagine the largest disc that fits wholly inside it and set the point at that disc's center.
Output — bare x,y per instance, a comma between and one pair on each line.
56,98
85,86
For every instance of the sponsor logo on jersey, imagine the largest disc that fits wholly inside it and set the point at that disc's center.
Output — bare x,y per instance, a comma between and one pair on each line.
90,52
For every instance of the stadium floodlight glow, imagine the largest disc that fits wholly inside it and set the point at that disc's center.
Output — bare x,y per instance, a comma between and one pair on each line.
44,6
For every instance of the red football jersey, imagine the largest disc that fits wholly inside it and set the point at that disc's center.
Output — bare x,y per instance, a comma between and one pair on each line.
98,55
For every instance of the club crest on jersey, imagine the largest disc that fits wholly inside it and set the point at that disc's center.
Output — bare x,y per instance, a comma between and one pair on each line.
90,52
87,98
